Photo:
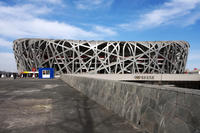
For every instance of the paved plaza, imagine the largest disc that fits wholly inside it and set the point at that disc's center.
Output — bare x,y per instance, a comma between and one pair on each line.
51,106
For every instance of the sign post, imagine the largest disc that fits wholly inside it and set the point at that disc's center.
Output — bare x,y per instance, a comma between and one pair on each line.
33,69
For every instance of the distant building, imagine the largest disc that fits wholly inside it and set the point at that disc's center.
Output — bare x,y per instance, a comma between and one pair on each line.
122,57
194,71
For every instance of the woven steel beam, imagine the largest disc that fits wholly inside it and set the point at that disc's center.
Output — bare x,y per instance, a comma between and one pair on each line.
121,57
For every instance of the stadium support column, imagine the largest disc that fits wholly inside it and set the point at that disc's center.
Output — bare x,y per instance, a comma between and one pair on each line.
73,61
95,52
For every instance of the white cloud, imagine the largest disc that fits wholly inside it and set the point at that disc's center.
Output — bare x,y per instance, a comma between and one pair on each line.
171,12
25,21
104,30
20,21
43,29
22,11
5,43
47,1
192,19
7,62
93,4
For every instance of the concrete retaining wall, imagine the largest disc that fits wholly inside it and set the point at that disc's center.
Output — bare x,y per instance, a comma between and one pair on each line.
144,77
155,109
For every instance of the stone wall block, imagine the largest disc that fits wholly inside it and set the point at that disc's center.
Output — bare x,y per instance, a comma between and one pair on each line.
154,93
165,96
155,109
176,126
150,120
185,115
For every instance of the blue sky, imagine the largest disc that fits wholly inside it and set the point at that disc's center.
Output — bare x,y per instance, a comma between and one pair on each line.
125,20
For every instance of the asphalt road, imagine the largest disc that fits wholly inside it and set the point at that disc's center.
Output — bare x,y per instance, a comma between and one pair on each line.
51,106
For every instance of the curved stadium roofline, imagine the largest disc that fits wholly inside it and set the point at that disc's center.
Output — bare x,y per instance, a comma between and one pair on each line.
166,41
83,56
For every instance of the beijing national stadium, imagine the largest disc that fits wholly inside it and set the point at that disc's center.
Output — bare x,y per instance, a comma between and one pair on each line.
101,57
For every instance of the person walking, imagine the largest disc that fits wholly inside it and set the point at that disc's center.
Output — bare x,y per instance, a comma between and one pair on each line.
14,75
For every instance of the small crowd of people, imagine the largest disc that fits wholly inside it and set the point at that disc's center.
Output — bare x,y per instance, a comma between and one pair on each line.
16,75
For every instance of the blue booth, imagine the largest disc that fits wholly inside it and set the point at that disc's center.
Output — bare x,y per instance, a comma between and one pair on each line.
46,73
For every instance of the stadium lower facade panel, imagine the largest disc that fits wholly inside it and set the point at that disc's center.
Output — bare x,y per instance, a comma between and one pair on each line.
105,57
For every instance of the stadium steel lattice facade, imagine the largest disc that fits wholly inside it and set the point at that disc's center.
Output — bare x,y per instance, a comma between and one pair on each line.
75,56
